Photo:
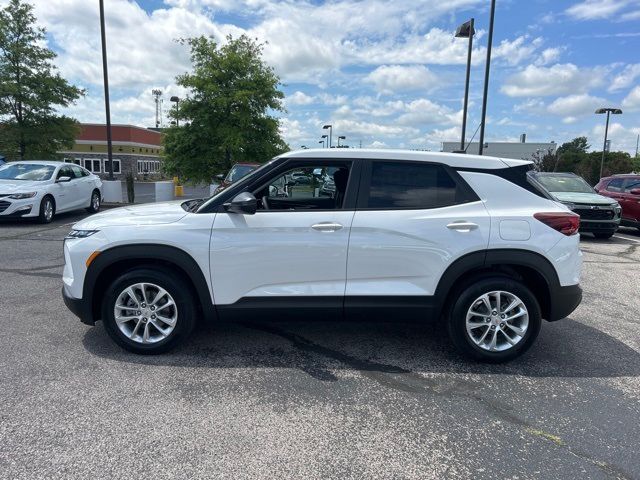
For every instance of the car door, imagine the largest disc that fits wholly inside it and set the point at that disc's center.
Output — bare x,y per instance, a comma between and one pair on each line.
413,219
615,190
85,186
631,206
65,193
293,250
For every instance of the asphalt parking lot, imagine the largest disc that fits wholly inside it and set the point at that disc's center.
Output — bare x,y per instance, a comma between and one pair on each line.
314,400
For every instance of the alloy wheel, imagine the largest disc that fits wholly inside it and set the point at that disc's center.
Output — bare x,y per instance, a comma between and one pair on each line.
497,321
95,201
48,210
145,313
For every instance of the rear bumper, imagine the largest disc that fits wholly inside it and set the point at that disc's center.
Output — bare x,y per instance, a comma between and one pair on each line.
79,308
564,300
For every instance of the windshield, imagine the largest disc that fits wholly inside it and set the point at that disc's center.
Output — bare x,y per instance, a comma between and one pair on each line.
238,171
568,184
26,171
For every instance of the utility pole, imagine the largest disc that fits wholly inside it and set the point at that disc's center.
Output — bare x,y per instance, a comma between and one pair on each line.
157,93
106,89
486,77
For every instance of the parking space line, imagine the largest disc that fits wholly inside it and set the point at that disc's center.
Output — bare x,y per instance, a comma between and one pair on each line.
617,235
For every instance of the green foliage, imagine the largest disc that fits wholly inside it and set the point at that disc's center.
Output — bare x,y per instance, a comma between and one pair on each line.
31,89
226,116
573,157
545,161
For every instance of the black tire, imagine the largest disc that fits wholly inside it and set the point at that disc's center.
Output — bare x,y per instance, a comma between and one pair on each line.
94,202
463,300
175,286
603,235
46,215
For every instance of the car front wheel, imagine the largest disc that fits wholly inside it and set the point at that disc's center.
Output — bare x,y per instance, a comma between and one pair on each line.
147,311
47,210
494,320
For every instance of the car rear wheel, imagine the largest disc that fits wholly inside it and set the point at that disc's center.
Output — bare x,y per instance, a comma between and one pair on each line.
603,235
47,210
94,205
494,319
147,311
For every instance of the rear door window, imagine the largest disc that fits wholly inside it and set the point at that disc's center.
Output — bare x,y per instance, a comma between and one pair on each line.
615,185
413,185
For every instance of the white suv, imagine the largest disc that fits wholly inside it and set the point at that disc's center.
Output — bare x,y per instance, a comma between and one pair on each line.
404,235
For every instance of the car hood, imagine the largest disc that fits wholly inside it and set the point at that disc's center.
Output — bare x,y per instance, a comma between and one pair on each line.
589,198
148,214
17,186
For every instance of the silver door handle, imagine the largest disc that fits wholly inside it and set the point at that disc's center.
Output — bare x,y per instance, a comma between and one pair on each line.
462,226
326,226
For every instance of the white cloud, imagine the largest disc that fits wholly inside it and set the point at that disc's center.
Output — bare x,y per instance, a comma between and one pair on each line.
298,98
516,51
575,105
626,77
622,138
559,79
597,9
632,101
390,79
548,55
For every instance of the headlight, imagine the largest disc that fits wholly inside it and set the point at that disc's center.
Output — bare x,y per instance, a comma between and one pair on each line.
20,196
617,208
81,233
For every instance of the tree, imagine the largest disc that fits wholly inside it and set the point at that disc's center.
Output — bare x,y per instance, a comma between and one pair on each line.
226,115
577,145
545,160
31,89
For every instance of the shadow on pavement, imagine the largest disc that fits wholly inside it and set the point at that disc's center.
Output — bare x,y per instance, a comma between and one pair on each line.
564,349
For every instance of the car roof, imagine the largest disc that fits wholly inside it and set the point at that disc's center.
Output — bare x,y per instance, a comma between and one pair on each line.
459,160
51,163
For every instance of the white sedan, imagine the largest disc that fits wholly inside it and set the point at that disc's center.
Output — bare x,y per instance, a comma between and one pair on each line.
43,188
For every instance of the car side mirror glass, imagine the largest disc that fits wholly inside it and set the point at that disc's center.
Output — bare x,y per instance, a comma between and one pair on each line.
63,179
244,203
635,191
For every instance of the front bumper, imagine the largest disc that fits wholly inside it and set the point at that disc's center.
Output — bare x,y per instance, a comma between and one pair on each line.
78,307
599,226
563,301
25,207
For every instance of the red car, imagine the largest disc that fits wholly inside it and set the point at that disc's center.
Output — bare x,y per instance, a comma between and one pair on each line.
626,190
238,171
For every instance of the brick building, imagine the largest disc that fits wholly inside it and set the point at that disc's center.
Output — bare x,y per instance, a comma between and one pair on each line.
135,149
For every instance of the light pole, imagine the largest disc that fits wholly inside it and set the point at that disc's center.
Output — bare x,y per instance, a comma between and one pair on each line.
608,111
341,137
322,142
486,77
177,102
105,73
466,30
330,127
323,139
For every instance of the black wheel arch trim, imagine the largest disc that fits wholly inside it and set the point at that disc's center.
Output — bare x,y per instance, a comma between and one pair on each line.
562,300
145,252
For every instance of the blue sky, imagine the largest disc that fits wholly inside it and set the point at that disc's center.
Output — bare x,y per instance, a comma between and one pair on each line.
384,73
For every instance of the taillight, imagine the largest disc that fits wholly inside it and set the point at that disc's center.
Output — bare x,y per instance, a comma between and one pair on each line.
567,223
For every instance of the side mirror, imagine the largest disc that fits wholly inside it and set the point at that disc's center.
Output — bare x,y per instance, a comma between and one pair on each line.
635,191
63,179
220,177
243,203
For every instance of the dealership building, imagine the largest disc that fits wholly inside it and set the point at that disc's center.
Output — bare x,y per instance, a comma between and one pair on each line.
135,150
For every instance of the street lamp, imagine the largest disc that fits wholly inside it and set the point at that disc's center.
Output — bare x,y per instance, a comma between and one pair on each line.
328,141
330,127
341,137
322,142
177,102
608,111
105,73
466,30
486,77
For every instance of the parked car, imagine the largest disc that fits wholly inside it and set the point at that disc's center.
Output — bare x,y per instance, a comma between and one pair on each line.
43,188
625,189
238,171
598,214
408,235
